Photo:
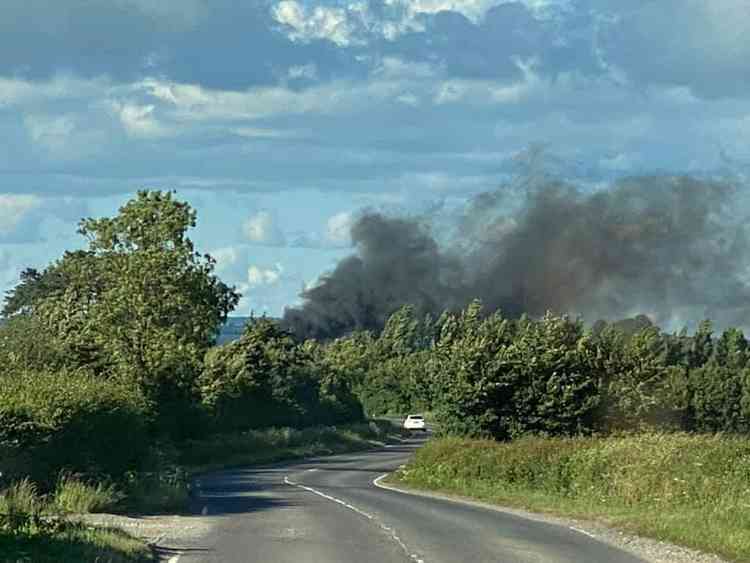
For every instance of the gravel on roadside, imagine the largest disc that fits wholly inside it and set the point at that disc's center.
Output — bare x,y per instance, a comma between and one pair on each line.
166,534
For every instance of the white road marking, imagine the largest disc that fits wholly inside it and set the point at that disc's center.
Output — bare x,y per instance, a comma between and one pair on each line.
377,483
584,532
329,497
174,559
387,529
313,469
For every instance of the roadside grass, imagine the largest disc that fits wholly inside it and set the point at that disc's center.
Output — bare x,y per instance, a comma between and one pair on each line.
78,497
73,543
692,490
31,528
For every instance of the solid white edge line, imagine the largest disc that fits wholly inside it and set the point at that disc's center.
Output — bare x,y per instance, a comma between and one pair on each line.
584,532
377,483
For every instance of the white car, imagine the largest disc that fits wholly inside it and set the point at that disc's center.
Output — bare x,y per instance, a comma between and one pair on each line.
415,422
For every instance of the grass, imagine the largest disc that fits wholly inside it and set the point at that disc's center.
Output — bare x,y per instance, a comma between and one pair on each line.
77,497
693,490
31,529
73,543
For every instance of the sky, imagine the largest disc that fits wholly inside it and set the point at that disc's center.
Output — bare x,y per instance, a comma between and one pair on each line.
281,120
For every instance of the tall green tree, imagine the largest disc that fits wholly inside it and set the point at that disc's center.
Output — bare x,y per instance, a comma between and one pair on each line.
139,303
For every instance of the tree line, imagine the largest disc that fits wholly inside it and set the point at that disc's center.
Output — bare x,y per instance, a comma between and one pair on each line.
483,374
111,349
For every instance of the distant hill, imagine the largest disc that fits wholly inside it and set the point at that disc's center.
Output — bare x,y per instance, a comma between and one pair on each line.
233,328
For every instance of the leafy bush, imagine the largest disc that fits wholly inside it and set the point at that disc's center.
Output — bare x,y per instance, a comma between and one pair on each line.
73,421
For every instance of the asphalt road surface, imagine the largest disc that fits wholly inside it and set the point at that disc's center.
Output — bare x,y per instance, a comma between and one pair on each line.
328,510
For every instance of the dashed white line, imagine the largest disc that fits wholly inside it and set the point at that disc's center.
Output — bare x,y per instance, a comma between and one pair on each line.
329,497
391,532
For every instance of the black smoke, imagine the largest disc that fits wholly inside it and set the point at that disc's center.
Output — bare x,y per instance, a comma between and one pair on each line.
674,248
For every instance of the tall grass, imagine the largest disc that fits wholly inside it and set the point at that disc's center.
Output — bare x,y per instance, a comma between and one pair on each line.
32,530
20,507
75,496
689,489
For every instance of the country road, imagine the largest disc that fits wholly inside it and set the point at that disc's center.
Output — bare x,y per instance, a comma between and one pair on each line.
328,510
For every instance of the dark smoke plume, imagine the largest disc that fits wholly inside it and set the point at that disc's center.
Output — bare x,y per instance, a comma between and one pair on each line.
674,248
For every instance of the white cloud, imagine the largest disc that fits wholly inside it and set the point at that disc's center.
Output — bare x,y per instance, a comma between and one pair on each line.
472,9
261,228
13,210
51,132
489,92
264,276
338,229
308,71
186,103
353,23
139,120
226,258
321,22
19,92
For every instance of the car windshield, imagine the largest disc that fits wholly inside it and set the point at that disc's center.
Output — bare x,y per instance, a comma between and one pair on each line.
415,417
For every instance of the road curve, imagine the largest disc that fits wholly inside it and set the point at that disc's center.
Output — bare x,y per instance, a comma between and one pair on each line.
328,510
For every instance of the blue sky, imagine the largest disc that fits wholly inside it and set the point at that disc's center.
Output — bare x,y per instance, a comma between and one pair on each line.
280,120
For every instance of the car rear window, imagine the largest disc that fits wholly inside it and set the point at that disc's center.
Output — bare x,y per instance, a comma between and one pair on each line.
415,417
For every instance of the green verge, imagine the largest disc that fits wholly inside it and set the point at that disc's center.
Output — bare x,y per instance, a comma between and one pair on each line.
692,490
73,543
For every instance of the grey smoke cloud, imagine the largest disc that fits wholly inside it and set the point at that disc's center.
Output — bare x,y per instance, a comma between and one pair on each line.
675,248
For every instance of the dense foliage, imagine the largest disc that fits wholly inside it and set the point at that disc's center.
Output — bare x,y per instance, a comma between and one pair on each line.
486,375
111,349
266,379
72,421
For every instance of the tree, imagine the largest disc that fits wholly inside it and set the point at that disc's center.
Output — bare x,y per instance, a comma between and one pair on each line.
139,303
266,379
